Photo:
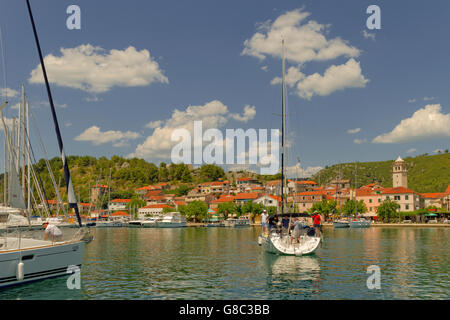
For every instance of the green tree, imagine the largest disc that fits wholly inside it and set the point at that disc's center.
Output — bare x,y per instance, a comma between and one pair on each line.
196,209
349,207
136,202
226,208
325,207
211,172
387,209
163,172
168,209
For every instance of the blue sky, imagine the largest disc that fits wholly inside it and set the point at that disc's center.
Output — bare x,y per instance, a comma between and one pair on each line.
198,54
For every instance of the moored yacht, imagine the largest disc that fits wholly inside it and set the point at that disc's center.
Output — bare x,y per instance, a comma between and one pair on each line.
235,223
172,220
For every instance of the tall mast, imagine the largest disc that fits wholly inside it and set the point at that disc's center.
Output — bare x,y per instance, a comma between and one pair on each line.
28,157
5,174
356,203
70,193
22,132
283,184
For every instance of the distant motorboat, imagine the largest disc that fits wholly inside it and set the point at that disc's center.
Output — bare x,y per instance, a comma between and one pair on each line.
360,223
150,222
215,224
109,224
172,220
236,223
341,224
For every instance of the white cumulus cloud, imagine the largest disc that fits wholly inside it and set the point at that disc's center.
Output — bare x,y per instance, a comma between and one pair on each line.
213,114
95,70
335,78
426,123
305,40
359,141
353,131
293,76
412,150
97,137
8,92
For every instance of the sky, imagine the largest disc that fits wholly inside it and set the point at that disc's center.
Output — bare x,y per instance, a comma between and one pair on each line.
138,70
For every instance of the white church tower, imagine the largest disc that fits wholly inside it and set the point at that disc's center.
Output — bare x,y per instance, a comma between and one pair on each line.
399,173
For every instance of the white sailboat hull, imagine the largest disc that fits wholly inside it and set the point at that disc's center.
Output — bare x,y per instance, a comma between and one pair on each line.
41,259
282,246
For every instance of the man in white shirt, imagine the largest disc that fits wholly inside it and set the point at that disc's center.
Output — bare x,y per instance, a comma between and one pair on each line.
52,232
264,220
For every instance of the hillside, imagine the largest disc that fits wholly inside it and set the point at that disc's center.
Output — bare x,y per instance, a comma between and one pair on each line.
425,173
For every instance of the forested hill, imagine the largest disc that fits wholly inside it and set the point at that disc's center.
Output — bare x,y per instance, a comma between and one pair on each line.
126,175
426,173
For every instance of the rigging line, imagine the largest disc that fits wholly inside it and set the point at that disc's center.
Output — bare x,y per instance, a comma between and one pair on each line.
70,192
59,199
2,48
40,184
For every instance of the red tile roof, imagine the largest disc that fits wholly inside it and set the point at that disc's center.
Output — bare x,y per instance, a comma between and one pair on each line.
310,182
273,182
156,206
311,193
434,195
153,193
244,179
224,198
100,186
244,196
121,200
119,214
448,189
397,190
274,197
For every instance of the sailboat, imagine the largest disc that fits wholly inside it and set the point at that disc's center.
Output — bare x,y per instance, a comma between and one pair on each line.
278,243
25,259
358,223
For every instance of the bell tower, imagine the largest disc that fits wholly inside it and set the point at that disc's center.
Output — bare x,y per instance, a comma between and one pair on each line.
399,173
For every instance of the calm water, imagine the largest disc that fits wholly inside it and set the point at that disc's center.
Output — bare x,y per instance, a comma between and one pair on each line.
225,263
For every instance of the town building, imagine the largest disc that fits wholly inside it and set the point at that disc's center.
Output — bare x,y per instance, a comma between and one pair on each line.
407,199
152,210
97,192
399,173
118,204
269,200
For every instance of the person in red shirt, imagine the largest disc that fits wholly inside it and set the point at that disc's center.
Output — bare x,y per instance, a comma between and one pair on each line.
316,221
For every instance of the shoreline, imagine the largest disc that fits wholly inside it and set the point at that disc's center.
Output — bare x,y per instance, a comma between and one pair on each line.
416,225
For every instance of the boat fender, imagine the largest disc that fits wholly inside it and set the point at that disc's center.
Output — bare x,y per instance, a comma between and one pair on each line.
20,271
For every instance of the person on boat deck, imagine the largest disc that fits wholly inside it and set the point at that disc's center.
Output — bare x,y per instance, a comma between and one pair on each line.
272,222
285,222
264,221
297,231
52,232
316,221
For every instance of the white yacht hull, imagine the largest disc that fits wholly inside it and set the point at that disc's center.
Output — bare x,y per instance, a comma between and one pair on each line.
282,246
360,224
163,224
41,259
